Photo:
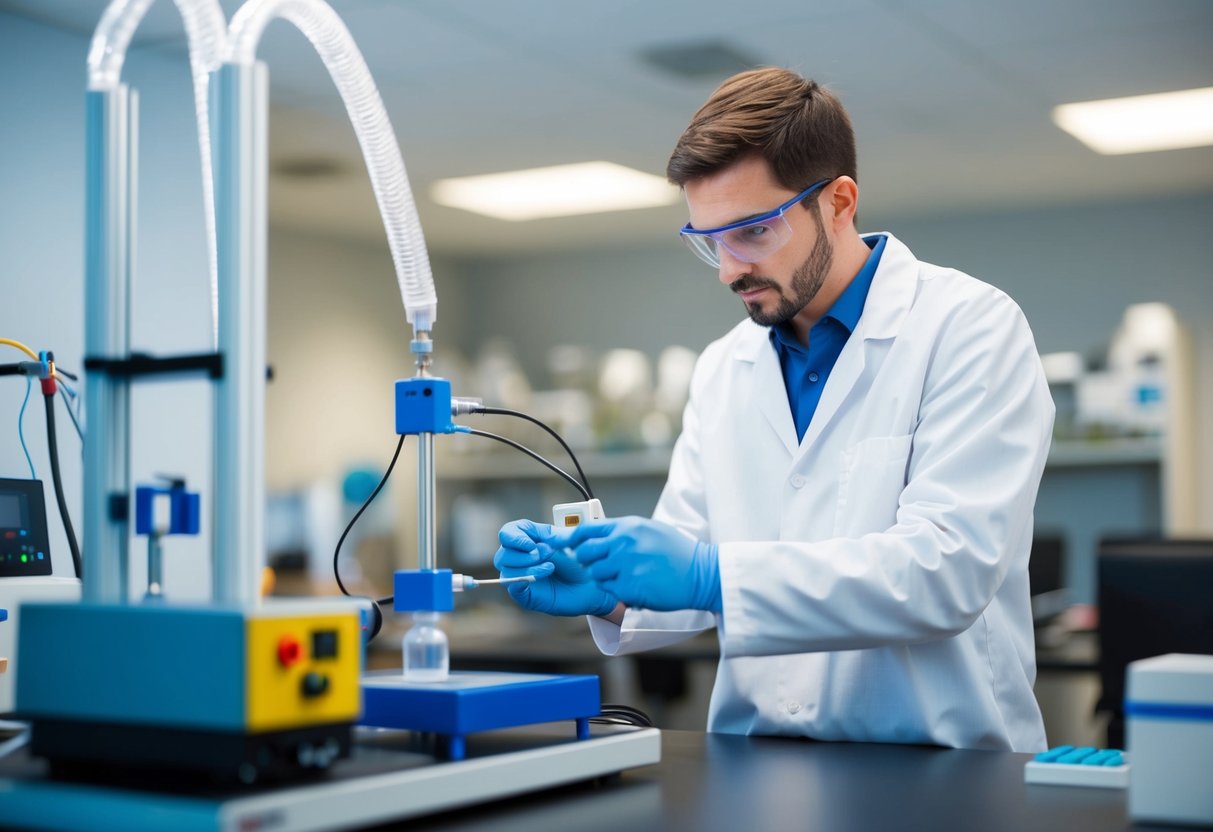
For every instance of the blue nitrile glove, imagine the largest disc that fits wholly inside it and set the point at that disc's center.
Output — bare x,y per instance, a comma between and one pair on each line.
562,586
647,564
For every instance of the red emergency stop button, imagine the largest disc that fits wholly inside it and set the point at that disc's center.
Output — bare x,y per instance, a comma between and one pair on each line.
290,651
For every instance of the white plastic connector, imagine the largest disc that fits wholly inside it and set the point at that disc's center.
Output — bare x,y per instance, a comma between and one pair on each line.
570,515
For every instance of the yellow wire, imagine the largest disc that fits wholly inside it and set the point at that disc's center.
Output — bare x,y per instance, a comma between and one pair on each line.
11,343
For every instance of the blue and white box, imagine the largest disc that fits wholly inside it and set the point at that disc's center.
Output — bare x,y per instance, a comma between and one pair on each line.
1169,728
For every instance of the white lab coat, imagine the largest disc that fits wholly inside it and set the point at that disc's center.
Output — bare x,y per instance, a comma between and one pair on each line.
874,574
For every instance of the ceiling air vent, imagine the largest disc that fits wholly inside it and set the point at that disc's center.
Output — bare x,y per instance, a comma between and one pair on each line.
307,167
698,60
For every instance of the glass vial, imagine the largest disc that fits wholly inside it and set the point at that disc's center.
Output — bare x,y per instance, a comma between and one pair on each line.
427,653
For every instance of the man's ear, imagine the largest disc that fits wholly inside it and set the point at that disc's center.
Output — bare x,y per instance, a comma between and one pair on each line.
842,201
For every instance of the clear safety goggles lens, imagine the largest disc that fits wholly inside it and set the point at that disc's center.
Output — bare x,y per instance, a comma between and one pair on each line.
748,243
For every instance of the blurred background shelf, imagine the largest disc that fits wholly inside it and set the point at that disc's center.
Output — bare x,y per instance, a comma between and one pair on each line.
640,462
655,462
1075,453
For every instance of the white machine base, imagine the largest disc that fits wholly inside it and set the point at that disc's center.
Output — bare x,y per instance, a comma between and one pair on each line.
389,777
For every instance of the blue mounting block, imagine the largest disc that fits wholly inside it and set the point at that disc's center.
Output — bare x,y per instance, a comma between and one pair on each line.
470,702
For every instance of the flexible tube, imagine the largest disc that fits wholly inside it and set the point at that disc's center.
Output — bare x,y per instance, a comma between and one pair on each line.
332,41
206,32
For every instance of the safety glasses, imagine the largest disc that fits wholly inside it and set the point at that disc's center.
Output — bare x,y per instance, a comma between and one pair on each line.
748,240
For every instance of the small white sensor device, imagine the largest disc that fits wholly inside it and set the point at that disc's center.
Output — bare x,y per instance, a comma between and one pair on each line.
571,515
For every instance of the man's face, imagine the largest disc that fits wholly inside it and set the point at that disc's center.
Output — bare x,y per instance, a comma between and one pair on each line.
778,288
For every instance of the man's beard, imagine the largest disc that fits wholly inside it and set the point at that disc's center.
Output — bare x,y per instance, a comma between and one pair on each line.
807,281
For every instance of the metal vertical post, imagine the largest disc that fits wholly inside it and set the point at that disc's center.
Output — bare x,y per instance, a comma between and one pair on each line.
110,141
239,108
427,546
427,557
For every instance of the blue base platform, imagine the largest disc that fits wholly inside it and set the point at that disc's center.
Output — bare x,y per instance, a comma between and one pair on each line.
470,702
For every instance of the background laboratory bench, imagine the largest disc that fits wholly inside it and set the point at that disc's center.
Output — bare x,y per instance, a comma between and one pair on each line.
723,783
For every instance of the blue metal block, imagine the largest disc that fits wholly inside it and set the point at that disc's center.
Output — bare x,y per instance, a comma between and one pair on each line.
423,405
184,509
187,514
145,498
423,590
471,702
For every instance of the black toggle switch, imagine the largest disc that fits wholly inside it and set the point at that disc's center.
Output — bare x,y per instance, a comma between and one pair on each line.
315,684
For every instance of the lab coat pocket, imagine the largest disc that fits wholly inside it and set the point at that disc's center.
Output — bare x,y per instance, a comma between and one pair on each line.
872,479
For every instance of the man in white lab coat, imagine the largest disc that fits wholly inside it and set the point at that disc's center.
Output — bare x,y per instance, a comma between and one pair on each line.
850,501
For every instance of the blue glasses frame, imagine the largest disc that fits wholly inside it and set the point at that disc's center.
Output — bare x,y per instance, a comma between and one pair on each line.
707,242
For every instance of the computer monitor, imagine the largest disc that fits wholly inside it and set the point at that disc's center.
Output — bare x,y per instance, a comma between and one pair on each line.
1155,597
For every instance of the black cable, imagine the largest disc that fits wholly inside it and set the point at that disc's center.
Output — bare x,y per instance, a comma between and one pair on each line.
520,447
354,519
501,411
52,445
375,602
623,715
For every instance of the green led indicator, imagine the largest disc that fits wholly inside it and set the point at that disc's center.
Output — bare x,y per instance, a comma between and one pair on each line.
25,558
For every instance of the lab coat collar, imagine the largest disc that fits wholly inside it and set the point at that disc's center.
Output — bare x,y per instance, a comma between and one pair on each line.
888,302
892,292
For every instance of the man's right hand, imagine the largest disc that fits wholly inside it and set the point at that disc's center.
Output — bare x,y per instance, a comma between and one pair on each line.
562,586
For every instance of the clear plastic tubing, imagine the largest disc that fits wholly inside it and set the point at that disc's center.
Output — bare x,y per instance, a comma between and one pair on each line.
206,32
426,651
332,41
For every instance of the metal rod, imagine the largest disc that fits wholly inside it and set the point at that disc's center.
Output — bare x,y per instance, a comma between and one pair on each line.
155,572
427,549
427,557
239,119
112,127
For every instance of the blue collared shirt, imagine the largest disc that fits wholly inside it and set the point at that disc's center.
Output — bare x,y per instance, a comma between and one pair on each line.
805,369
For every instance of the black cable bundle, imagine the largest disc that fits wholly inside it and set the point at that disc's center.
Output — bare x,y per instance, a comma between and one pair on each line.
52,445
583,486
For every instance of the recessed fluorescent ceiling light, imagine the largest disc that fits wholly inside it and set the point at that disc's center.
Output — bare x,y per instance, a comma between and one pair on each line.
560,191
1164,121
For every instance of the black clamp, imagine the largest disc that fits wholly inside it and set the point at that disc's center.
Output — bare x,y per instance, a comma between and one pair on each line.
141,364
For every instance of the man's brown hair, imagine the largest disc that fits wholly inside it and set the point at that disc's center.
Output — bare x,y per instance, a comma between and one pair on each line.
800,128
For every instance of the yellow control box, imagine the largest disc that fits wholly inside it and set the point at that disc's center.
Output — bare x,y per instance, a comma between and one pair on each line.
301,670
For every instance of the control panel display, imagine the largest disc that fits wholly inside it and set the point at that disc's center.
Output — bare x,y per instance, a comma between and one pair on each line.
23,542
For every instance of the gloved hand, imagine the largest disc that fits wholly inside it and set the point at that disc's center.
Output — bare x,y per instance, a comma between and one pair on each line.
562,586
647,564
